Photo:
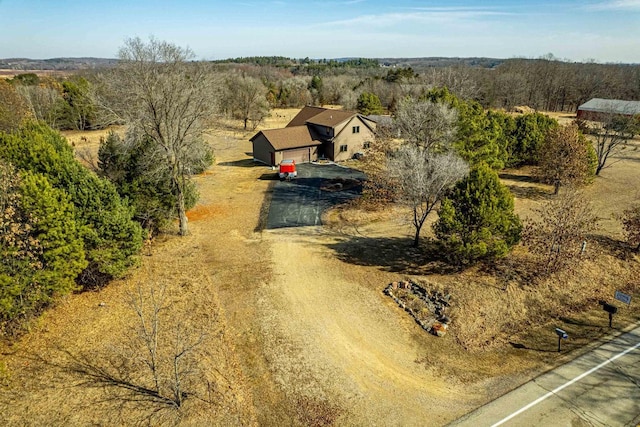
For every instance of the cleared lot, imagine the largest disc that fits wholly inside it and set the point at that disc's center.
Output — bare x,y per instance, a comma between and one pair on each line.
300,202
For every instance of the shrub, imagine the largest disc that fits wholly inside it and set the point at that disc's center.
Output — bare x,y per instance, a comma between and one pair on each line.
41,250
111,238
476,220
150,193
369,103
529,136
481,136
566,158
631,224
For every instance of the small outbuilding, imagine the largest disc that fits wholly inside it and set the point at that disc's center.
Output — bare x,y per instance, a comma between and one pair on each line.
598,109
315,133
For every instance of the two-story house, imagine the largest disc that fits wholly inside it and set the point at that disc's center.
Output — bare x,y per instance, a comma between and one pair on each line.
315,133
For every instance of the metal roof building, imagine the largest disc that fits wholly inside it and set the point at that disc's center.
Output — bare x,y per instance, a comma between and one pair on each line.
596,108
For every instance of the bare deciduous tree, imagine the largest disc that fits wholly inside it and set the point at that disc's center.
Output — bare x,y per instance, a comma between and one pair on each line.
421,179
564,158
155,369
164,97
12,107
557,237
610,137
245,99
41,101
426,124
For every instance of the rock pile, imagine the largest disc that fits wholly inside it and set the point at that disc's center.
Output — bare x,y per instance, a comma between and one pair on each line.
427,308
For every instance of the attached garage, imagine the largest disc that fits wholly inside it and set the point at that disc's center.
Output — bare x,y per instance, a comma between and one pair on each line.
300,155
273,146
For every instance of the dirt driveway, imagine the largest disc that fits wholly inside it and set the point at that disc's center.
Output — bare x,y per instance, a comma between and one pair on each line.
335,337
316,337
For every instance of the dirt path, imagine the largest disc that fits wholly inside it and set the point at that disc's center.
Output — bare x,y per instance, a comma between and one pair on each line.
315,336
353,346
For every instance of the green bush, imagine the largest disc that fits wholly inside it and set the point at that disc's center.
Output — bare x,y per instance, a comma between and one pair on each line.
41,250
529,135
150,194
112,240
482,136
369,103
476,220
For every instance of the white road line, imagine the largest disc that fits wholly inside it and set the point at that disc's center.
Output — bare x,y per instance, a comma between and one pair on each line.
565,385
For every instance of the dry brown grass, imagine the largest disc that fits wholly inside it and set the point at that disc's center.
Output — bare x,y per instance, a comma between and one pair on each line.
86,143
9,74
303,334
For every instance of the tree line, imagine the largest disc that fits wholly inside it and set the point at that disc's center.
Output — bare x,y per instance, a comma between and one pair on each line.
252,86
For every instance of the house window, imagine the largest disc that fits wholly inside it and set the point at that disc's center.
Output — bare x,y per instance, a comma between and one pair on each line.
343,148
356,129
366,145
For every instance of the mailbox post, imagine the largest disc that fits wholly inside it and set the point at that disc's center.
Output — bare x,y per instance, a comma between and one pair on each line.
561,335
611,309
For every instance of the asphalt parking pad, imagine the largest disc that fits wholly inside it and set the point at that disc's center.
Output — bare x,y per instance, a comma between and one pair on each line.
301,201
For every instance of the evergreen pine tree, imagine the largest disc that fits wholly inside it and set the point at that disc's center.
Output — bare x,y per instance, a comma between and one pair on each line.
476,220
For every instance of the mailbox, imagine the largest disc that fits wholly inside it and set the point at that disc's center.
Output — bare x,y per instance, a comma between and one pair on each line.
611,309
561,333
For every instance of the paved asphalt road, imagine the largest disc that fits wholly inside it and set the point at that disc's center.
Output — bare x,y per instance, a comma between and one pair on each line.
600,388
301,202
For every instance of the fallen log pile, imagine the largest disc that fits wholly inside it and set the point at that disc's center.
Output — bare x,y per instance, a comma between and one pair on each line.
427,308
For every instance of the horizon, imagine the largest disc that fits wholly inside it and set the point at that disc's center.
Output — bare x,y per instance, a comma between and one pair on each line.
604,31
399,58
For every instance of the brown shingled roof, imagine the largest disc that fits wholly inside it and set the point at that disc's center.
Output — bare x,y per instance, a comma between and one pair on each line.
331,118
290,137
305,114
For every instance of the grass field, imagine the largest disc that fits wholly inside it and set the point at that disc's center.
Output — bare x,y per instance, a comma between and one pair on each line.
300,332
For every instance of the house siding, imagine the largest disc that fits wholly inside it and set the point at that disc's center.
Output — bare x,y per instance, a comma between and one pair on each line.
329,136
262,150
354,141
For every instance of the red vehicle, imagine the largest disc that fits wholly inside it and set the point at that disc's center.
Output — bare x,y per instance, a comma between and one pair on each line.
287,169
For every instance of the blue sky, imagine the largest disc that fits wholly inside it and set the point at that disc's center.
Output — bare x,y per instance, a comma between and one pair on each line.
601,30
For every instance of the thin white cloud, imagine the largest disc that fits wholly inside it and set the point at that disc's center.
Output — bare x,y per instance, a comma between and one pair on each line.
424,15
633,5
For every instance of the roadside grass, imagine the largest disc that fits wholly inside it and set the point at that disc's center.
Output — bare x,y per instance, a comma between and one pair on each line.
503,316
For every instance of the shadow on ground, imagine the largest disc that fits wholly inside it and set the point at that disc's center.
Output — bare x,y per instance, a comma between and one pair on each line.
521,346
244,163
615,247
393,254
518,177
525,192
